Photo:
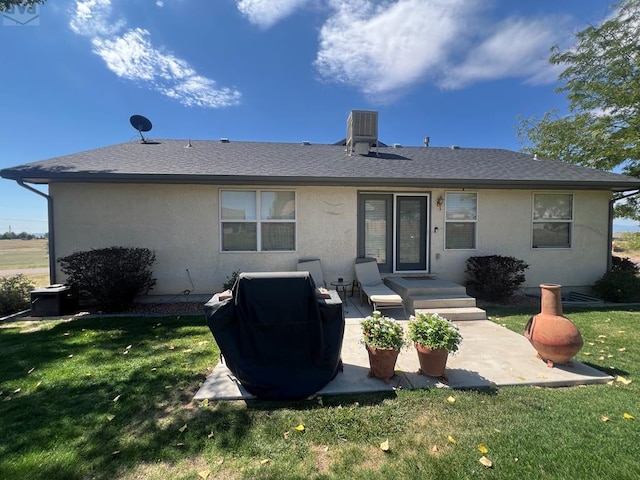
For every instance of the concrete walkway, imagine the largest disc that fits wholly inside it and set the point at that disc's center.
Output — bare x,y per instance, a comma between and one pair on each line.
490,356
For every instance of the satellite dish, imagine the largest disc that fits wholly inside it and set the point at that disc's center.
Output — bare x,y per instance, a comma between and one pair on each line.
141,124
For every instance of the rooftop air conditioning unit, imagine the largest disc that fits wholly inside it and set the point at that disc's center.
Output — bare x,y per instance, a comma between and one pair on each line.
362,131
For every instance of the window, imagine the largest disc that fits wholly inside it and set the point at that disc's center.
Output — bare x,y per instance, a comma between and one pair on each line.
461,216
257,220
552,220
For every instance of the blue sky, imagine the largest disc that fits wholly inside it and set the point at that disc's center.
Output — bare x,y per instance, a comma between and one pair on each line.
458,71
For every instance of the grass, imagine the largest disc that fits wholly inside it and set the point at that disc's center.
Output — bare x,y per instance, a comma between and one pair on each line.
111,398
16,254
26,254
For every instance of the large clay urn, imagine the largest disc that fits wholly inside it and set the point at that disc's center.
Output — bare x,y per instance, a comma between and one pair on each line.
554,336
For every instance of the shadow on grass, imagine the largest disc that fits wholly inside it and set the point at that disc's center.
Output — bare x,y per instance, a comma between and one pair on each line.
93,397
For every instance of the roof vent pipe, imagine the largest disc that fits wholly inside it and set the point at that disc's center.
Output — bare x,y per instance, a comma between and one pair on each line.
426,141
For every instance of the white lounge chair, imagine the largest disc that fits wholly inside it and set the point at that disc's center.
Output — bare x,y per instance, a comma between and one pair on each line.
371,285
314,267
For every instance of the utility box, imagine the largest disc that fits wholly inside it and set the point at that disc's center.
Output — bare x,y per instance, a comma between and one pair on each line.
53,300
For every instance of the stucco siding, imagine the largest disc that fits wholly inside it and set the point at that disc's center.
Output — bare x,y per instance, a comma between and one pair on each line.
505,228
181,224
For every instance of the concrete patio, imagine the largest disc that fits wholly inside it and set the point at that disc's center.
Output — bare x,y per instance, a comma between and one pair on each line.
490,356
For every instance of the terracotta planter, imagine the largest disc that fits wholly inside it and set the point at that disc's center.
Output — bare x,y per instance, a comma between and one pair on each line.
432,362
382,362
553,335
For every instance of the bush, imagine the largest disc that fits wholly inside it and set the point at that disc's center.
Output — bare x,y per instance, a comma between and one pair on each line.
15,294
631,240
113,276
494,277
231,281
619,264
618,286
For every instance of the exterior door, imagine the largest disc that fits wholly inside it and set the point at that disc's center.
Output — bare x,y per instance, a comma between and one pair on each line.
393,230
411,233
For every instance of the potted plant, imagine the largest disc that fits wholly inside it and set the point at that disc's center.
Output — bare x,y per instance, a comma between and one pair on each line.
434,338
383,338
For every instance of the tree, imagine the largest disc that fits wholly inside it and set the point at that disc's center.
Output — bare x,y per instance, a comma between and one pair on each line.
602,84
7,4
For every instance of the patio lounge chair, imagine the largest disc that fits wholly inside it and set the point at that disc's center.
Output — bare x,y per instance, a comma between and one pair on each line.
371,285
314,267
277,336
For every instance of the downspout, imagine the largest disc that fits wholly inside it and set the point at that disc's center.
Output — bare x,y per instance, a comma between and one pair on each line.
52,244
611,202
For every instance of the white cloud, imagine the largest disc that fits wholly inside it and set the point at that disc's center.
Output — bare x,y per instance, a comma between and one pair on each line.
265,13
382,47
132,55
517,47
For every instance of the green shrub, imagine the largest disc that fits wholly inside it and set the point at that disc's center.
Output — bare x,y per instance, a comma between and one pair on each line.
113,277
631,240
494,277
15,294
624,265
231,281
618,286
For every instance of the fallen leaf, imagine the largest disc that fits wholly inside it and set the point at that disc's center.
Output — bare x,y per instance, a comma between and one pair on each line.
187,350
220,461
591,343
451,439
600,358
264,461
70,356
115,452
434,449
210,435
110,417
486,462
172,347
384,446
300,428
622,380
602,336
204,474
17,390
128,347
116,398
628,416
31,370
604,418
623,349
286,434
205,402
451,400
183,428
482,448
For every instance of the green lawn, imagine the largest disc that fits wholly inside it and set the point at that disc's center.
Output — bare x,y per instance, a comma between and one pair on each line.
111,398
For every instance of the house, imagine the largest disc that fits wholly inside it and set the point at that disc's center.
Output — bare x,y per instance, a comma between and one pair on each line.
209,208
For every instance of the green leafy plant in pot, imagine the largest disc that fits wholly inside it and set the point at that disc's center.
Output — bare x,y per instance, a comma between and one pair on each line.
434,338
383,338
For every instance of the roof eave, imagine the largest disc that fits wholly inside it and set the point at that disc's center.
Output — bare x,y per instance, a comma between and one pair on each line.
104,177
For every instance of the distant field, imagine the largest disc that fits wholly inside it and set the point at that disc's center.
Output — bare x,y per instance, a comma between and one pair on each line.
16,254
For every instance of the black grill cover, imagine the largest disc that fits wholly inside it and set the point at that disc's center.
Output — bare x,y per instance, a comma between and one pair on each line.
277,337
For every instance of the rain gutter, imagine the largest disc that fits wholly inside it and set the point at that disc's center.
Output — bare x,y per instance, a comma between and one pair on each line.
51,240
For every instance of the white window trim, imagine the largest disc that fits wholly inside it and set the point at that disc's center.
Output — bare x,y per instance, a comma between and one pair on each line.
475,230
258,221
551,220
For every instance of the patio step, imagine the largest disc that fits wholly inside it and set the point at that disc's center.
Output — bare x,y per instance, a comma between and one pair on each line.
440,301
460,313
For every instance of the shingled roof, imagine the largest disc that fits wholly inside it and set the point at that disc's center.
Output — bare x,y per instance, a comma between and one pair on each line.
234,163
